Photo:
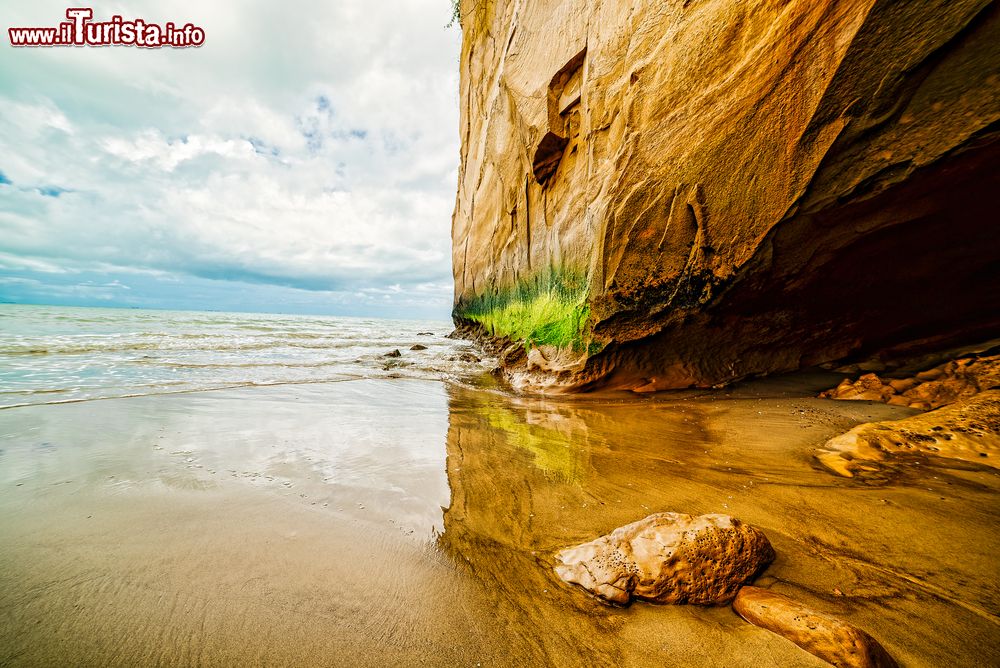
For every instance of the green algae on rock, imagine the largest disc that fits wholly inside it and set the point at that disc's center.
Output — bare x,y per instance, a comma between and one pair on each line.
549,309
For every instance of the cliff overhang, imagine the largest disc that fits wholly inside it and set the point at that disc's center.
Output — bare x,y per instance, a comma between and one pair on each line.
680,194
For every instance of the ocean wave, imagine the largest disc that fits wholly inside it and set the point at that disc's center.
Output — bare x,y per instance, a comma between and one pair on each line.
55,354
176,346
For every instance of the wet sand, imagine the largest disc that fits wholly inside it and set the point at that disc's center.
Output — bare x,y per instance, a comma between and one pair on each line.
380,522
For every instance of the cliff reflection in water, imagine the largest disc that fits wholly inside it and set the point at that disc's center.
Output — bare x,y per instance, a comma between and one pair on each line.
303,525
529,476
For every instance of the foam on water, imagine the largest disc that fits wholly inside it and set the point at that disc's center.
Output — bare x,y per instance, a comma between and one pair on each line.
53,354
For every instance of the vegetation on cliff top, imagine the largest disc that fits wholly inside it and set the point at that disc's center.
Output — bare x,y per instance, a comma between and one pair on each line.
550,309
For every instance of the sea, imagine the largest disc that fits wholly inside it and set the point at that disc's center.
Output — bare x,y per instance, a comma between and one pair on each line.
56,354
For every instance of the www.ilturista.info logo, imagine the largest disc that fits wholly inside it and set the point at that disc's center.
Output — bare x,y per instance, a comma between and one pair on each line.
81,31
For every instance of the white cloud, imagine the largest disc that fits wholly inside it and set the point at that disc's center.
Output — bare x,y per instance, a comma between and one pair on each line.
35,119
311,145
151,145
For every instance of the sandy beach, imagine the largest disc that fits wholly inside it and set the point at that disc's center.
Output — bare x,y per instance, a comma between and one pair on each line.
386,522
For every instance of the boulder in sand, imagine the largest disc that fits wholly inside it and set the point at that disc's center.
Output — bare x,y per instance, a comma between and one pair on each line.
669,558
821,635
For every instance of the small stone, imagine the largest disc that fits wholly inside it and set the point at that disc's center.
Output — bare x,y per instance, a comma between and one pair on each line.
931,374
417,346
829,638
903,384
393,353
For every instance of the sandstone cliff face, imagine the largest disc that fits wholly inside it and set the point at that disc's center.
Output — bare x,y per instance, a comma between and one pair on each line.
667,193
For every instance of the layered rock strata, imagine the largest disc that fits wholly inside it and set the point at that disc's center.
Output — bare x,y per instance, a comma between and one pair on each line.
968,430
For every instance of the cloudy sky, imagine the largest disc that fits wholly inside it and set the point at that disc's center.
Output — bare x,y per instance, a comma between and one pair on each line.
303,160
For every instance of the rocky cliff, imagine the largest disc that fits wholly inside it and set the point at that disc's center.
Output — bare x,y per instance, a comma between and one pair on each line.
670,193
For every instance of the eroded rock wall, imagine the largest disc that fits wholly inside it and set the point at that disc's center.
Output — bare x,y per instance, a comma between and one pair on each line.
666,193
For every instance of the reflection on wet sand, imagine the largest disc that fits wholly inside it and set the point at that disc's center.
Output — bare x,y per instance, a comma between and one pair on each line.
303,525
910,559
